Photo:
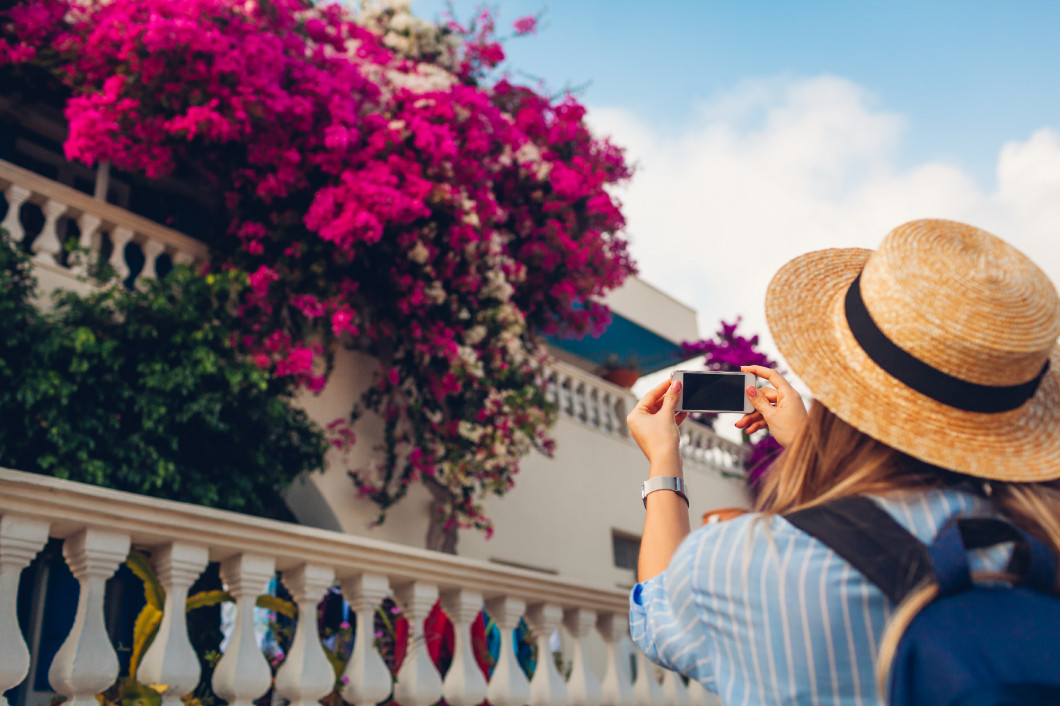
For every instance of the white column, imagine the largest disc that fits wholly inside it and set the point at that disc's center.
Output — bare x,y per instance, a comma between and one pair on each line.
183,258
86,664
646,689
171,660
547,688
243,673
152,249
306,674
418,680
16,196
674,690
508,686
367,678
20,540
47,246
617,686
583,687
119,237
88,224
464,684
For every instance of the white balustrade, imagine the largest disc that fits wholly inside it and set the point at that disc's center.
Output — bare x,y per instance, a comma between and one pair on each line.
547,686
645,688
170,660
86,662
583,687
306,676
243,673
508,685
617,685
59,202
179,539
47,247
20,540
366,675
16,196
418,681
674,690
464,684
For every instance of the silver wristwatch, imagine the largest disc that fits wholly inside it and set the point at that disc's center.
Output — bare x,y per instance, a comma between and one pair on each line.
673,483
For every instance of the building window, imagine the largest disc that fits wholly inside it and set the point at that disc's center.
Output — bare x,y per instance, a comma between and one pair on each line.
626,549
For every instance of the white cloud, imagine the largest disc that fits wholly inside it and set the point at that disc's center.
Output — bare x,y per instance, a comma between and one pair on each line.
778,167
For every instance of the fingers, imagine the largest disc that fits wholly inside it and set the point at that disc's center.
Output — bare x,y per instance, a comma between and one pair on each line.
775,379
650,401
671,398
761,402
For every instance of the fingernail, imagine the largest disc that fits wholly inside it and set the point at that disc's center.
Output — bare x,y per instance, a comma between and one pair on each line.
751,392
674,386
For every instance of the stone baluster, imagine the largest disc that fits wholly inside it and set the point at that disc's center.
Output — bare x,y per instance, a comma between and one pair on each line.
306,676
674,690
120,237
609,421
617,686
645,687
418,680
547,688
508,686
152,249
367,678
243,673
551,385
581,412
86,664
171,660
16,196
595,418
183,258
583,686
464,684
563,394
47,247
701,696
88,224
20,540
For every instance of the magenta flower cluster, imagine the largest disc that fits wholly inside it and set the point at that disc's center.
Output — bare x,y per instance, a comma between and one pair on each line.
385,192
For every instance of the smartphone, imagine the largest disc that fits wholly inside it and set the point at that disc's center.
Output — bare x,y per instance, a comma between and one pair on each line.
705,391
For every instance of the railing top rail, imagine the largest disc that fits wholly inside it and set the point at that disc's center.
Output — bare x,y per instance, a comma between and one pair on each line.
70,506
110,214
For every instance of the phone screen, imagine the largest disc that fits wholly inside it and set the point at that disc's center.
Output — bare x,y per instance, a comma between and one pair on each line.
713,392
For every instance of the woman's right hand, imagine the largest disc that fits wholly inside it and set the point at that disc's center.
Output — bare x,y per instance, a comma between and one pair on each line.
780,408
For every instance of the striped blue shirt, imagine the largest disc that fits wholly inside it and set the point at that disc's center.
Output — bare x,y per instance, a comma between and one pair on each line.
762,613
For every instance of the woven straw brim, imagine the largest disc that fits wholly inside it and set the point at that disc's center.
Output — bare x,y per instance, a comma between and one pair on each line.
805,311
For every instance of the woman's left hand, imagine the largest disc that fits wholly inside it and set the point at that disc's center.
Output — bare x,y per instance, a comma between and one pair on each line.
653,422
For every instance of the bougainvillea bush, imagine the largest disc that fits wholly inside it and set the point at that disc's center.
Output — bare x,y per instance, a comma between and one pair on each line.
385,190
727,350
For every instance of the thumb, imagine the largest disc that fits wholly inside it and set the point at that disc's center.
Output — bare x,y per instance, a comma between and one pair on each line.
671,398
760,403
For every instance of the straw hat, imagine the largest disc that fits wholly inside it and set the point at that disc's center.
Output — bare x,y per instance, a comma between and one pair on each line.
942,344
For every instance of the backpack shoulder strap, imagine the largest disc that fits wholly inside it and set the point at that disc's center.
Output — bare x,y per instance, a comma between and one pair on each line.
864,534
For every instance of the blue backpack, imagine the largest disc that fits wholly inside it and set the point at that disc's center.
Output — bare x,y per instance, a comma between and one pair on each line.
975,644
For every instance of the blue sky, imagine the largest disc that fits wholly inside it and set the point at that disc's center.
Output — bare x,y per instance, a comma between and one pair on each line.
967,75
762,130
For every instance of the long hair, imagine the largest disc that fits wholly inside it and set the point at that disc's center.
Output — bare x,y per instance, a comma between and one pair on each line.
832,459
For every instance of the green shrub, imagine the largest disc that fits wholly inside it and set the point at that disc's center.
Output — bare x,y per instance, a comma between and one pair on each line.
144,391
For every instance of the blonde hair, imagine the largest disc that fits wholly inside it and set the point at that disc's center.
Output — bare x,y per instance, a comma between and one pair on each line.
832,459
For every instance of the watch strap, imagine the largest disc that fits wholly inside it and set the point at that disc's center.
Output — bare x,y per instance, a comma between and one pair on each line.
673,483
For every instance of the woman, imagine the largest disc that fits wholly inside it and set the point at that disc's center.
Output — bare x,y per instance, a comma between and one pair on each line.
935,372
